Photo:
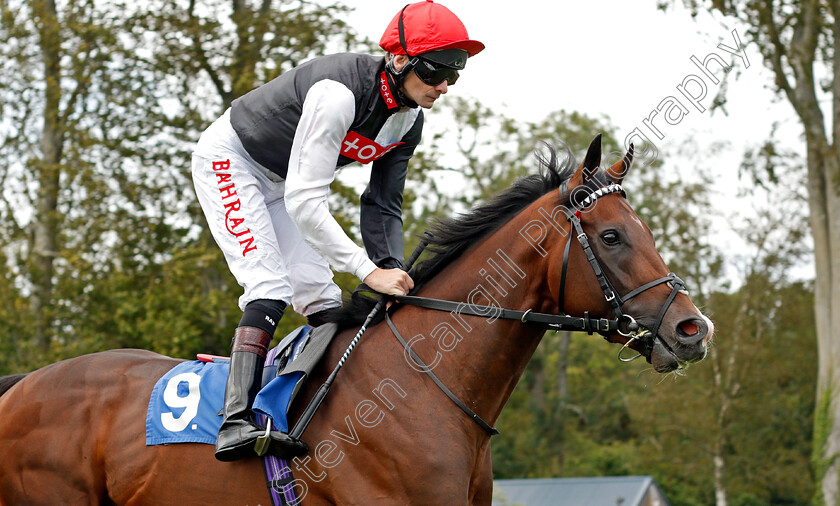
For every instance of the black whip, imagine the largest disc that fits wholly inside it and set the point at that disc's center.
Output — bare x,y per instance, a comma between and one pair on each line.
310,410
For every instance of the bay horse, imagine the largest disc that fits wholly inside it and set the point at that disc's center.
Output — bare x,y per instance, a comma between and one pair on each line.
73,432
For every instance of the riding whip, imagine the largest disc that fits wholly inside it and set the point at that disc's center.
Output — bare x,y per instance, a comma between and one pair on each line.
309,412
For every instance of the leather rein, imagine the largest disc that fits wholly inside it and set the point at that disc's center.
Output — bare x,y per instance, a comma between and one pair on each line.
622,323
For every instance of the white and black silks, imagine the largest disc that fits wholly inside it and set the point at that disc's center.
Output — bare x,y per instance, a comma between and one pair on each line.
282,144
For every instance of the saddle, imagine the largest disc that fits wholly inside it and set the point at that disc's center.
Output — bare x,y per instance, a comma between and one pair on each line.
186,402
287,367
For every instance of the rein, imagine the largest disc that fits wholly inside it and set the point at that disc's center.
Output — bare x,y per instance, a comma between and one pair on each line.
551,321
492,431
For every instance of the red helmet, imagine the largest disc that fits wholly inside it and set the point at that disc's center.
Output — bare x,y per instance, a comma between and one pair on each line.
427,26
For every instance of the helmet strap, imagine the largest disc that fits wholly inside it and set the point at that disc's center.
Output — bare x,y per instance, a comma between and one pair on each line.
396,79
402,32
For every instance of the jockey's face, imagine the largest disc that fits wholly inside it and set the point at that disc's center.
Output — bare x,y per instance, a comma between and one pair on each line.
417,90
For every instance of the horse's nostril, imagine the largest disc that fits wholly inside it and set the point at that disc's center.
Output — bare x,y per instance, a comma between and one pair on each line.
689,328
692,332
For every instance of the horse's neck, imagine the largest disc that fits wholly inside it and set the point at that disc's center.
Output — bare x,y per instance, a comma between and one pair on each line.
504,271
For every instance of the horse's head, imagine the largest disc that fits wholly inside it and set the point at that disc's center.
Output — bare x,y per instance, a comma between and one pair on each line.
614,271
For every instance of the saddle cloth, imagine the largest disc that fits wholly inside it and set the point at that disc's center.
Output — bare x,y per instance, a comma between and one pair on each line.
186,403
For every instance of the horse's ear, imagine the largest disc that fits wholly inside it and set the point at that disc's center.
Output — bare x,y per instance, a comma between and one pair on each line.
593,158
590,163
620,168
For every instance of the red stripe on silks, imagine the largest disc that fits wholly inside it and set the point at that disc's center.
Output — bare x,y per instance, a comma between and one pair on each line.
362,149
385,91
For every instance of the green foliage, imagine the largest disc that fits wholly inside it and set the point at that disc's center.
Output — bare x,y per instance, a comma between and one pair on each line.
134,266
578,412
628,420
797,41
121,256
231,47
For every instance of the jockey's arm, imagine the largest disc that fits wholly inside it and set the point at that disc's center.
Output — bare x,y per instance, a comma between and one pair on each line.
327,115
328,112
381,202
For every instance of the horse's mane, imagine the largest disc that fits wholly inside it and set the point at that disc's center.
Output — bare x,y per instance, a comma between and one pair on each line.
450,237
7,382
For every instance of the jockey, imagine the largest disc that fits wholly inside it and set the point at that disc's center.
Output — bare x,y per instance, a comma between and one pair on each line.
262,173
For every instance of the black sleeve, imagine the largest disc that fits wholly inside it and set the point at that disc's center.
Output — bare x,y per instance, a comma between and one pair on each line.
381,202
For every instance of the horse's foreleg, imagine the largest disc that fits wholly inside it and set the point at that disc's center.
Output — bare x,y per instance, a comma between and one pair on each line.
481,482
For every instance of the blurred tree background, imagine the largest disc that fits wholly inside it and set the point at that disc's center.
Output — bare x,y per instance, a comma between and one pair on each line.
103,245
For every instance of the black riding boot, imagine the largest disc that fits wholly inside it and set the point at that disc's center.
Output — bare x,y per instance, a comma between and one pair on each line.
238,432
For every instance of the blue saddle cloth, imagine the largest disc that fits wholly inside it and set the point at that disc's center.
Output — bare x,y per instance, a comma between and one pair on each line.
186,403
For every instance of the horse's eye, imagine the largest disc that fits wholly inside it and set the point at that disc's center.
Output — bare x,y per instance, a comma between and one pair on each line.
610,238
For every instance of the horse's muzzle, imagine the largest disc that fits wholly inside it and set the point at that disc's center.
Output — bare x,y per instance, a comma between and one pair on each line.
687,345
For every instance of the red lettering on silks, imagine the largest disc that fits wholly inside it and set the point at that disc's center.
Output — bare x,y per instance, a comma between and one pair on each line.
249,245
228,191
232,223
232,206
235,225
223,165
364,150
385,91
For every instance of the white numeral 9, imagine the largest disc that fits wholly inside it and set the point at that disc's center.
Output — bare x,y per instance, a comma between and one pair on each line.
173,400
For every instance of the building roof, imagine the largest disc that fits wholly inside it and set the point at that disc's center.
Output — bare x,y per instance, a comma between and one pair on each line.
599,491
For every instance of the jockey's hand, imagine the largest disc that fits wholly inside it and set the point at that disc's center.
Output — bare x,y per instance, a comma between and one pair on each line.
389,281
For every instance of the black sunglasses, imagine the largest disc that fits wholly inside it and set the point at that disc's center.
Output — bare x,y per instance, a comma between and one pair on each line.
432,75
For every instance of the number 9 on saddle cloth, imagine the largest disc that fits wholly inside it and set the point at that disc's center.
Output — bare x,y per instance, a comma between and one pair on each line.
186,403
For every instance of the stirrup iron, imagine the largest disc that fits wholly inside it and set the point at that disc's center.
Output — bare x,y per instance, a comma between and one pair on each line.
264,441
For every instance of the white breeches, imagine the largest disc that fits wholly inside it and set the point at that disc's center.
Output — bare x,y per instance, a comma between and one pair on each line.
245,209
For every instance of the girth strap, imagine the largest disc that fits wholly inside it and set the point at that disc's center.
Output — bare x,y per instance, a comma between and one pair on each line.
480,421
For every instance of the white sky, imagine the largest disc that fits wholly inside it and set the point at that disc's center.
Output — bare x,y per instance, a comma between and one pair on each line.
613,57
619,59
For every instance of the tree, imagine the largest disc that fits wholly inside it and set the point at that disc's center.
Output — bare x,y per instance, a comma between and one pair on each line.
212,52
776,238
229,47
103,242
76,99
798,41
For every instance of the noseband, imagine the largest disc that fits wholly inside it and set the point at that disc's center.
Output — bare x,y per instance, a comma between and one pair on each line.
634,332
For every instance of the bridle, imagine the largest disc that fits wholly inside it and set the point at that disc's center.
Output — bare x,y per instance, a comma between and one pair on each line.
610,293
622,323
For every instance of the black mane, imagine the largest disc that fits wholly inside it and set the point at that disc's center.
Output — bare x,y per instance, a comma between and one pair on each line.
450,237
7,382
